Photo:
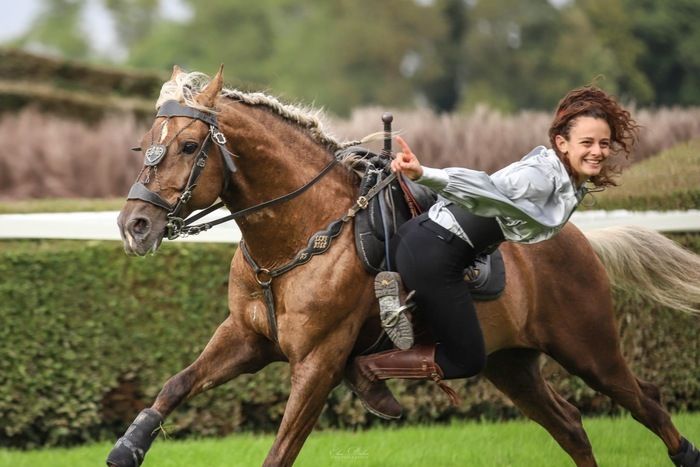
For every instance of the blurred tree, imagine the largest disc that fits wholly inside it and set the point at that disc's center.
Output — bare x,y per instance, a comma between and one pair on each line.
449,54
133,19
57,29
510,44
341,54
613,26
359,52
528,54
236,32
670,32
579,57
443,83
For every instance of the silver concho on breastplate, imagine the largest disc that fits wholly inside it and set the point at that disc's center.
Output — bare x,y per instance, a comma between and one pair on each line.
154,154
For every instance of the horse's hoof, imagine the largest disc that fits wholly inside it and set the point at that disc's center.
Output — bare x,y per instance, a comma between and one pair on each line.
123,456
687,456
131,448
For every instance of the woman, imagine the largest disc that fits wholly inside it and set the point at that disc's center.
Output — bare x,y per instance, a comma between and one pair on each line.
527,202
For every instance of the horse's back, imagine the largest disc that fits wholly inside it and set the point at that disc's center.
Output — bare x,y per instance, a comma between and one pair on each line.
551,285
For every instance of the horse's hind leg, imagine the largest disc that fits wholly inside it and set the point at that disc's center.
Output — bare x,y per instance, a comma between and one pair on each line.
516,372
593,353
230,352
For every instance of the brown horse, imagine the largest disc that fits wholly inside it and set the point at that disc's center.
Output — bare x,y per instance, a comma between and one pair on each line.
557,299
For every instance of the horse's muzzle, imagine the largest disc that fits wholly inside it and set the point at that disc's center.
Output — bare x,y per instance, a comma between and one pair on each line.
142,228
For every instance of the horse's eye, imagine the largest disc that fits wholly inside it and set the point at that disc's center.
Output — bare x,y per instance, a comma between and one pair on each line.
189,147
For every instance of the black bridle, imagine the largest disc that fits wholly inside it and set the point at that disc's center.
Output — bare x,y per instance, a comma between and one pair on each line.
177,225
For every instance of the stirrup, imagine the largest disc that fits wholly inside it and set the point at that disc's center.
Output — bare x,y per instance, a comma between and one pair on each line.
393,315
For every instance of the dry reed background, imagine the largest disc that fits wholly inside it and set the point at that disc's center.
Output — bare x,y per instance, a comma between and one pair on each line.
46,156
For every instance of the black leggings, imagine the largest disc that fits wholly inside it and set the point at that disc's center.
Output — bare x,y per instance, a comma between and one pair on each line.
431,261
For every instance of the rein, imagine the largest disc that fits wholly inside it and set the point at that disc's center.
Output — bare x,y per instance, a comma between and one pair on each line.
187,229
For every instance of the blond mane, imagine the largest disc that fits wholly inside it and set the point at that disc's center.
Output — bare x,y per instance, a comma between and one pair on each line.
186,86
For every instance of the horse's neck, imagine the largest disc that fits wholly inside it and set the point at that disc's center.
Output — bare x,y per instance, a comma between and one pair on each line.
276,158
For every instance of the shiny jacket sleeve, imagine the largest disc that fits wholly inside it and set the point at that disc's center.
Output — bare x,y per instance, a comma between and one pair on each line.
531,199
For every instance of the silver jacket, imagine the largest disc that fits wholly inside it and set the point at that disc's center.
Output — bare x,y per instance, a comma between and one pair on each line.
531,199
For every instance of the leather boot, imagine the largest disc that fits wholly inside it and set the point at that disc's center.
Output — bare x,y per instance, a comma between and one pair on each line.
416,363
375,396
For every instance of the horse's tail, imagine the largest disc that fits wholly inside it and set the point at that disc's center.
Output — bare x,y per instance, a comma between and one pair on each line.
655,266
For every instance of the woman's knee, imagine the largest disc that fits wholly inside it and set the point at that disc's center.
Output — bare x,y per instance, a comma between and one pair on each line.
460,363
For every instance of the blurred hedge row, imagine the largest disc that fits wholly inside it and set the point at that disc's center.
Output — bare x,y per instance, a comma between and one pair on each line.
73,89
89,335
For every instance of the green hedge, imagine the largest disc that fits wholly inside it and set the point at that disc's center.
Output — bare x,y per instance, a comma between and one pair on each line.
73,89
89,336
680,200
83,106
17,65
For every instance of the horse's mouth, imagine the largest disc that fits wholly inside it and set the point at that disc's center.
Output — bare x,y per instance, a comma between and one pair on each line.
133,247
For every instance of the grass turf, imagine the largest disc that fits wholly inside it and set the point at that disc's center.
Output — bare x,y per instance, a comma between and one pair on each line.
617,442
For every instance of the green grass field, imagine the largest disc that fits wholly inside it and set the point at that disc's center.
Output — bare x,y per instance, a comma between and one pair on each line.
61,205
617,442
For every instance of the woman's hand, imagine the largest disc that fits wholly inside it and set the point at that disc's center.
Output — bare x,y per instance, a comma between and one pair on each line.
406,162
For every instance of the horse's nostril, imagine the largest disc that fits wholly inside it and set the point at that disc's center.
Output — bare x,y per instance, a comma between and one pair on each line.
140,226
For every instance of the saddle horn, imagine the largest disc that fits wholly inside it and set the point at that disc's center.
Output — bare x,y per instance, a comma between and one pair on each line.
387,118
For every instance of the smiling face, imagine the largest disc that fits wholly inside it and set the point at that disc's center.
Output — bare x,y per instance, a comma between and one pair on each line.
587,147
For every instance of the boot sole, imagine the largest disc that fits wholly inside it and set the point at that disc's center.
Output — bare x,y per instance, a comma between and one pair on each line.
386,288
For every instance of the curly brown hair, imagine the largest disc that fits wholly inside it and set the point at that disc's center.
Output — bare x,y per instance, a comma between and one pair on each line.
591,101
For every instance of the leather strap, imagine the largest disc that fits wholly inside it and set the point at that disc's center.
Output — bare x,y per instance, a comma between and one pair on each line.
194,229
318,244
139,191
175,109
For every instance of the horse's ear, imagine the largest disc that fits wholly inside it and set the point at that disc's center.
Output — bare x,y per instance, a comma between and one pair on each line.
208,95
176,71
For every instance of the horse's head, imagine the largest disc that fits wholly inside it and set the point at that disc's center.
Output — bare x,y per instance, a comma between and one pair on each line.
179,175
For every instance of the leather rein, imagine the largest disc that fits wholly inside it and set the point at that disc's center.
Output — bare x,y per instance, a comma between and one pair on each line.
319,242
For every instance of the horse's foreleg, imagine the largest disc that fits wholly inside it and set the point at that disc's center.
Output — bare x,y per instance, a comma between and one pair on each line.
230,352
313,377
516,372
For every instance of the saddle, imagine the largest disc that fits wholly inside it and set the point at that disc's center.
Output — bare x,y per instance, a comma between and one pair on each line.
397,203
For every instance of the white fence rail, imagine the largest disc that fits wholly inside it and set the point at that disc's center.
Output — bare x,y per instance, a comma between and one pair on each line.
103,225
